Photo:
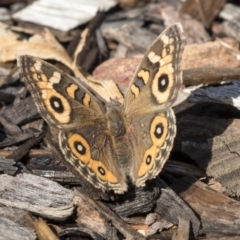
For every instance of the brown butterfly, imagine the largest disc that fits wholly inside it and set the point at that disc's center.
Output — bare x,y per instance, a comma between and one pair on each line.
109,143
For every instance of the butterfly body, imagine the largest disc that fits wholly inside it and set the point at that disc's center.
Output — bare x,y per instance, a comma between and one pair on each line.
109,143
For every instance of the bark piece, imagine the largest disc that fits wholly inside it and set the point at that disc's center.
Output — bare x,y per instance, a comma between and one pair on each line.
6,98
5,15
87,45
25,148
51,13
12,231
229,11
227,93
120,70
181,168
37,195
9,141
130,34
209,75
182,232
18,226
156,224
11,77
132,3
204,11
232,27
211,54
136,201
218,155
171,207
80,233
22,111
9,127
219,214
194,31
99,221
6,165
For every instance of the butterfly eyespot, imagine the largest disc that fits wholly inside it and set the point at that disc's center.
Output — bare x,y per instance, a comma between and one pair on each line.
101,171
79,147
148,160
158,130
163,82
56,104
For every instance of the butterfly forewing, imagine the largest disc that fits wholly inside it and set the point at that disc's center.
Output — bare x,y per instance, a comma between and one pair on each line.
60,100
159,76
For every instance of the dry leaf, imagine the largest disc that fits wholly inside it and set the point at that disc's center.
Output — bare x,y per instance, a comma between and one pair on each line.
46,46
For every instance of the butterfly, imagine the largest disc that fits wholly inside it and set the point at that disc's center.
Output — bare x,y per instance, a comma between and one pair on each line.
111,144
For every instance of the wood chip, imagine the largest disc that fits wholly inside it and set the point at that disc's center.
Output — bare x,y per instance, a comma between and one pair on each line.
63,16
37,195
232,27
229,11
227,93
129,33
183,230
171,207
211,54
11,230
204,11
219,214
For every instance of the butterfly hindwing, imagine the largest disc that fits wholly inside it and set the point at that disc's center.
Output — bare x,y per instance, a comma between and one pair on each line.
92,154
152,137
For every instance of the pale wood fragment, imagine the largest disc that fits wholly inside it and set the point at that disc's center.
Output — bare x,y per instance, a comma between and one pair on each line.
231,28
62,15
13,225
229,11
37,195
10,230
